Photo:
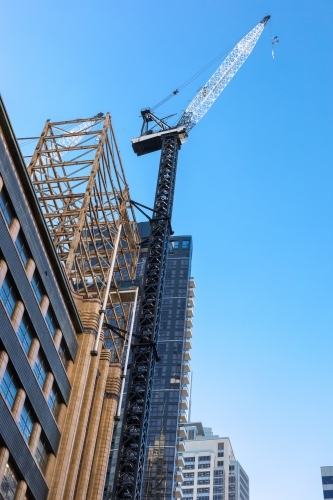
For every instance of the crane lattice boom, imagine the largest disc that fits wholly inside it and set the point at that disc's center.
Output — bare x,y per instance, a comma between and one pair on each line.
222,76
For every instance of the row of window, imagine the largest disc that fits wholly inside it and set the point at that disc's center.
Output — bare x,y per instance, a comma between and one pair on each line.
9,483
9,388
185,244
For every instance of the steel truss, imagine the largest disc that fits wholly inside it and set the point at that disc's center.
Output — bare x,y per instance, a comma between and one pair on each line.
133,440
81,187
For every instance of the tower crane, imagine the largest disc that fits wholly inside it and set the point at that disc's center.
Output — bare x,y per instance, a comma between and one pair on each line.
133,440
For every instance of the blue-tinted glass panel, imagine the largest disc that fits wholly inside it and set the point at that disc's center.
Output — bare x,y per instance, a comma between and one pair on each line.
37,286
51,321
327,479
54,401
5,207
328,494
9,483
186,244
26,422
25,334
8,294
22,248
41,454
9,386
40,369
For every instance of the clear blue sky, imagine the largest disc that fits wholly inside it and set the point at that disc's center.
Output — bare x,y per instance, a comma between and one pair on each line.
254,189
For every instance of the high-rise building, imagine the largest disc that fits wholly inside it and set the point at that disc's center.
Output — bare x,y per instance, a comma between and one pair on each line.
59,379
327,481
170,397
210,470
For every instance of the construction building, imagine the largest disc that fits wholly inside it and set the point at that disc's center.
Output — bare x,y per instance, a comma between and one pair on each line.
210,470
327,481
68,259
170,394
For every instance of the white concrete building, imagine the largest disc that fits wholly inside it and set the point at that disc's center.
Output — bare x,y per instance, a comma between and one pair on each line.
210,471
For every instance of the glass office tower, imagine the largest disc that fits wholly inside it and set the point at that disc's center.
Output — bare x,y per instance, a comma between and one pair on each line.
170,404
327,480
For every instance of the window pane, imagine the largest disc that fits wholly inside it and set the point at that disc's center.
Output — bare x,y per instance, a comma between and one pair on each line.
63,353
37,286
186,244
26,422
41,453
5,207
9,483
40,369
25,334
8,294
54,401
9,387
51,321
22,248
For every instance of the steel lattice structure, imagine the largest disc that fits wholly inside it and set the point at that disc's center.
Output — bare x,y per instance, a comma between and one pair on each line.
128,481
82,190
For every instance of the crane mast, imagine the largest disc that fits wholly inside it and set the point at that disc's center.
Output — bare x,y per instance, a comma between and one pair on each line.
133,440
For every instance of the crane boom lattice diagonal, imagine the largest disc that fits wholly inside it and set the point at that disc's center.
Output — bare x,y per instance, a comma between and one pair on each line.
222,76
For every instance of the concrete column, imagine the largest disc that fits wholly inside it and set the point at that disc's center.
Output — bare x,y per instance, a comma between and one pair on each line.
94,421
14,228
57,338
49,468
82,430
61,416
34,438
20,490
3,271
72,421
48,385
17,315
3,364
18,404
102,449
4,455
33,351
30,268
70,370
44,304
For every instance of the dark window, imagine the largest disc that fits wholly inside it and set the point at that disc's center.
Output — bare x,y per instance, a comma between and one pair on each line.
220,463
54,401
26,422
231,467
9,483
218,480
203,466
220,446
37,286
40,369
41,454
25,334
189,466
63,353
218,497
189,459
327,479
328,493
204,474
186,244
218,472
9,386
188,482
203,481
51,321
188,492
202,490
217,489
8,294
176,244
189,474
5,207
205,458
220,453
22,248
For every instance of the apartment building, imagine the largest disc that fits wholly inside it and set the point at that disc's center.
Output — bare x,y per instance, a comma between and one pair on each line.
210,470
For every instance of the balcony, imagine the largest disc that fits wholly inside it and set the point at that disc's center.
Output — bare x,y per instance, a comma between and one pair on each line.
183,404
186,367
188,344
191,293
181,446
185,379
180,460
182,433
179,477
190,303
189,323
183,416
185,393
188,334
187,355
191,283
189,312
177,492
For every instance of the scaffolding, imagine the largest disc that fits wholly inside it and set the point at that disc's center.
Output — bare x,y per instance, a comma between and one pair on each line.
81,187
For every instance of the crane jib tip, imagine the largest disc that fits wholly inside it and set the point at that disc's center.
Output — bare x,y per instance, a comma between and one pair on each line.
266,19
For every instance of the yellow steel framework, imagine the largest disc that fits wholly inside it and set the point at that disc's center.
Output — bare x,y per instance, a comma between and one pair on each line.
80,184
